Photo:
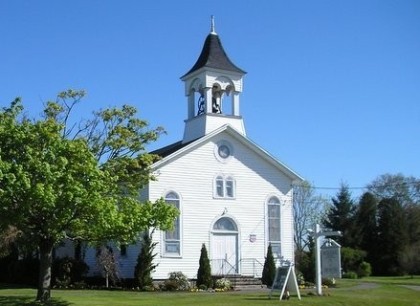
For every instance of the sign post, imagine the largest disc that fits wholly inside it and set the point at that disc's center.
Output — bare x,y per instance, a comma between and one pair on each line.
317,235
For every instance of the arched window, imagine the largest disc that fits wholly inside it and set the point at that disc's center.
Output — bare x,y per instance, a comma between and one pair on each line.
225,224
273,221
224,187
172,239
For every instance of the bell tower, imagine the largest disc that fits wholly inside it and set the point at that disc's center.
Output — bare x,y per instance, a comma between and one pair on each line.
212,87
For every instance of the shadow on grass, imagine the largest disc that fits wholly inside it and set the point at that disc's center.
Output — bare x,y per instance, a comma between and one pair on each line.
29,301
264,297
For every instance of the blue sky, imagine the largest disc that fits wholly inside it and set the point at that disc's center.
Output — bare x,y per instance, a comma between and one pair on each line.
332,90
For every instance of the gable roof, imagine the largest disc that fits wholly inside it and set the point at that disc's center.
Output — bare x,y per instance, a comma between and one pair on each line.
214,56
171,151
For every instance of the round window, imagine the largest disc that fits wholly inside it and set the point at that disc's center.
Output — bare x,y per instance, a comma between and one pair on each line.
224,151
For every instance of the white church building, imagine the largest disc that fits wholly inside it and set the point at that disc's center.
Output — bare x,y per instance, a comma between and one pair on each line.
232,195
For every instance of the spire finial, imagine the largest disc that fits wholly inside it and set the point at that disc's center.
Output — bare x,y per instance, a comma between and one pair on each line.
212,30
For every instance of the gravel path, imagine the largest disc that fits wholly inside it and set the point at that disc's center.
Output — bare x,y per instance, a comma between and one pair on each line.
412,287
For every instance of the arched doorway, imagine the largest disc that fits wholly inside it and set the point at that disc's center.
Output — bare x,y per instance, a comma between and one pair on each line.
224,247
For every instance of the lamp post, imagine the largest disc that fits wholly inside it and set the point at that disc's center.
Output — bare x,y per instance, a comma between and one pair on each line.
317,234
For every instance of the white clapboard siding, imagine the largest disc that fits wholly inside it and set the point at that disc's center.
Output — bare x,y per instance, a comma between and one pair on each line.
192,176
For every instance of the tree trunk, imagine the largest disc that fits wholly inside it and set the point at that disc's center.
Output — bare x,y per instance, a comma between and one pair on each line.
45,263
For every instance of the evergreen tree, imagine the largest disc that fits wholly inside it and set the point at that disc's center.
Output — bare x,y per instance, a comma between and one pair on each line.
145,266
341,217
392,237
366,223
269,270
204,270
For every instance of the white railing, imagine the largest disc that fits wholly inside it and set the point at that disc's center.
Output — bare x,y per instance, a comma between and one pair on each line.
246,267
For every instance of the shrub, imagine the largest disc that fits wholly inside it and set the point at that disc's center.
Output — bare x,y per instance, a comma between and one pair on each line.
350,274
204,270
364,269
176,281
328,282
66,271
223,284
269,270
351,258
24,271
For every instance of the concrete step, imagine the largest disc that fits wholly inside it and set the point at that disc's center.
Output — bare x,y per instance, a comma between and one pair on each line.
244,281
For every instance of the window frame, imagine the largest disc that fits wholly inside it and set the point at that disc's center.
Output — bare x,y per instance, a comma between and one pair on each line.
274,200
224,187
176,201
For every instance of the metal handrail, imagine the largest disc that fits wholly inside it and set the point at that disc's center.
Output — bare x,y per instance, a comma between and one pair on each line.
226,268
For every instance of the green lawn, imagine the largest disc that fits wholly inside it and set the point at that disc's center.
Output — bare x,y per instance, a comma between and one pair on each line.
383,292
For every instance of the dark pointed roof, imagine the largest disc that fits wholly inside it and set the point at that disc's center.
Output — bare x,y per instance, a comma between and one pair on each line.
214,56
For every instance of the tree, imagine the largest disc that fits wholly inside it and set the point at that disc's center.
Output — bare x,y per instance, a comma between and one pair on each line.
108,264
269,269
406,189
57,182
145,266
392,237
341,217
305,260
204,269
307,211
367,226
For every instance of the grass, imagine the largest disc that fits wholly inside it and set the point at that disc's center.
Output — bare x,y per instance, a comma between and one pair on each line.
377,292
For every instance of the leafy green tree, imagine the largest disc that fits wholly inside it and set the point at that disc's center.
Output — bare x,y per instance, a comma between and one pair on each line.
269,269
145,265
341,217
56,184
204,269
392,237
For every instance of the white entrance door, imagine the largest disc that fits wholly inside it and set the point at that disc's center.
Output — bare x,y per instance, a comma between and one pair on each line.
224,254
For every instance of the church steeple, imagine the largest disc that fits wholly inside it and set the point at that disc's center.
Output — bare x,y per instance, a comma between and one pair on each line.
209,84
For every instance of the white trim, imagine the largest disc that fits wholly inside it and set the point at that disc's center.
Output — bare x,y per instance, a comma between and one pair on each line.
267,229
163,233
236,233
225,178
296,178
220,144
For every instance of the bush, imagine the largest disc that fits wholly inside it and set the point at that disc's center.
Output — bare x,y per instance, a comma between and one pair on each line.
176,281
223,284
328,282
364,269
67,271
24,271
351,258
350,274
